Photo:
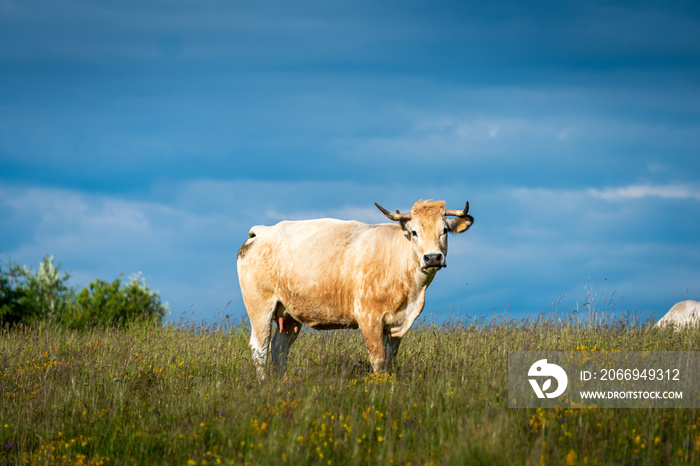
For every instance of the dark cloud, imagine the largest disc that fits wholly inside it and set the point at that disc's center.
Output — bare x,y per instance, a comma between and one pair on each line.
165,130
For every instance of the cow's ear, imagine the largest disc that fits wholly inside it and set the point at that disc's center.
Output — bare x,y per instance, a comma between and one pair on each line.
406,227
460,224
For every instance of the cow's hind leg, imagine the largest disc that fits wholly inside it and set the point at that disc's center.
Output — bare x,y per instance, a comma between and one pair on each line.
260,324
284,335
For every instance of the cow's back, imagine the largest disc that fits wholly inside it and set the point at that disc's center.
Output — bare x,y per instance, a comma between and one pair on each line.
683,313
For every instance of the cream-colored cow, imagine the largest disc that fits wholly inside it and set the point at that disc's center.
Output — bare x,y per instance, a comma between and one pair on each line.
681,314
332,274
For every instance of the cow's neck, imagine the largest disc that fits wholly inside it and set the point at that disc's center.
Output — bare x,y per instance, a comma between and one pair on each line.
421,281
415,301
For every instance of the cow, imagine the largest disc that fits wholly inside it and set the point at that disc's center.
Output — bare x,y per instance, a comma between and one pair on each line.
333,274
681,314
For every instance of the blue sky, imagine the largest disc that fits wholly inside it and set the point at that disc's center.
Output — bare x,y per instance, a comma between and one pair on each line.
150,136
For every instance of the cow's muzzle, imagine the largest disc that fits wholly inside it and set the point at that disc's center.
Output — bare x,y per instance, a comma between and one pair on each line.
433,260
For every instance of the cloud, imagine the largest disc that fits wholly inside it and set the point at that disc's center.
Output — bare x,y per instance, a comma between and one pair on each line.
175,129
642,191
527,248
459,138
100,236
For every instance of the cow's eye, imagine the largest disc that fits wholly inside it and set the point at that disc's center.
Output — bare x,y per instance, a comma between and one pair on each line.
413,232
445,230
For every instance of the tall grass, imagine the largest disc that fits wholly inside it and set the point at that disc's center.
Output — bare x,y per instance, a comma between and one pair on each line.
186,394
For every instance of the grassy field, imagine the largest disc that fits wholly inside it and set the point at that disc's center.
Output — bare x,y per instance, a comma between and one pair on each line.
188,395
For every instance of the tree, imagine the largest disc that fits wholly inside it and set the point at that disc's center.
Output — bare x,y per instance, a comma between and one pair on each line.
15,304
26,297
104,303
48,289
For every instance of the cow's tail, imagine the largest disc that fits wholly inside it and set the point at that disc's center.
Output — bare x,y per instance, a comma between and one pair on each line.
255,231
252,235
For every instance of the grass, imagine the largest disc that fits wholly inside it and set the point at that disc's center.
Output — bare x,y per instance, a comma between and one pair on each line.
183,394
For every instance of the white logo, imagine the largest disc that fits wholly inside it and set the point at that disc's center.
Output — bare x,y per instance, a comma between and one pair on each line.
542,369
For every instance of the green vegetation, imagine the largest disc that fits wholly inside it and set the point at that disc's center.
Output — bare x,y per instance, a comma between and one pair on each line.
27,298
152,394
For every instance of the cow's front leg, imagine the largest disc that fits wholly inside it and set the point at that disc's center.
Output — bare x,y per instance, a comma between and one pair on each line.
391,348
373,331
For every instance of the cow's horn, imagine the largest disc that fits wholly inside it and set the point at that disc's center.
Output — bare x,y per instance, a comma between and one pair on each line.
458,213
397,217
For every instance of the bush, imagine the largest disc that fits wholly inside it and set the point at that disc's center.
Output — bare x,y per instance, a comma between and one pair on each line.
15,305
48,290
26,298
115,304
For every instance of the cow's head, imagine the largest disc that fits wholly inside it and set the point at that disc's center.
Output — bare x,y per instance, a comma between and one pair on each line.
427,226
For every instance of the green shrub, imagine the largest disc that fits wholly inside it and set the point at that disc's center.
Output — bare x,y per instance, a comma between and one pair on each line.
16,305
48,290
115,304
44,296
26,297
